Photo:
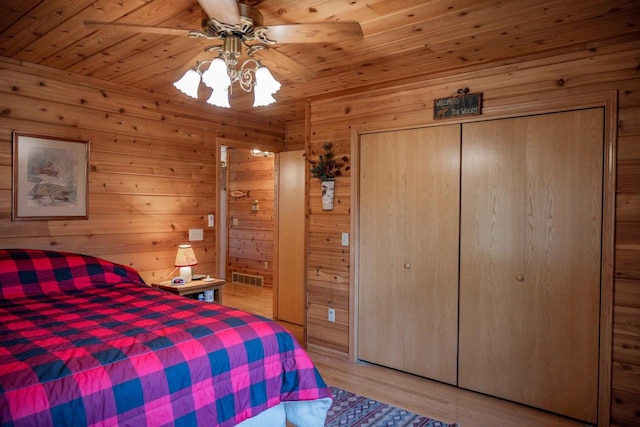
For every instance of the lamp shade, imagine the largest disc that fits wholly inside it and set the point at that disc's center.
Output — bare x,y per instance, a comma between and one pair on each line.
185,256
189,83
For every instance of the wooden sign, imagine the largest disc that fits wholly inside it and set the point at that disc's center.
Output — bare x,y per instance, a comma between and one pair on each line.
469,104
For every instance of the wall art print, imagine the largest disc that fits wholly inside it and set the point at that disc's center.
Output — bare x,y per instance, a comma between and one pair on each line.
50,177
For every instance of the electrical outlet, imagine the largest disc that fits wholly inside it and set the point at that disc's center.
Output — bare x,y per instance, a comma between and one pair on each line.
331,315
235,221
345,239
266,265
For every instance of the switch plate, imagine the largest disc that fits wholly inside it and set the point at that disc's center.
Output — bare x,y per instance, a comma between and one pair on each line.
235,221
331,315
210,220
196,234
345,239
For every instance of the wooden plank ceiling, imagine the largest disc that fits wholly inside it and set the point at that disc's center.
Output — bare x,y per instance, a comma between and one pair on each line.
404,40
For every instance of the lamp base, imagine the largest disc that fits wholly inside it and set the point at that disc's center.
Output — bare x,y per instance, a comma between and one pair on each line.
185,273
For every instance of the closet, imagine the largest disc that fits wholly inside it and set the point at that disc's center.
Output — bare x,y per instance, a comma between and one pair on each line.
408,246
488,256
530,254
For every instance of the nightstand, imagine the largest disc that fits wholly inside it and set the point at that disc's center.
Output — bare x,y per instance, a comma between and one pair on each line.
195,287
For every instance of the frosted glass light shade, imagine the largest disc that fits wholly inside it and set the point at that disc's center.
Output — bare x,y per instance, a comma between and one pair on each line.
219,98
189,83
265,86
216,76
261,98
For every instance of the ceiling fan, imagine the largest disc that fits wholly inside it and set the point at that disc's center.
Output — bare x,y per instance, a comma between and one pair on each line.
238,25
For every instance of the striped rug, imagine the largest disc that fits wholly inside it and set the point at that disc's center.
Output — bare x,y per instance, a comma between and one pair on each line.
351,410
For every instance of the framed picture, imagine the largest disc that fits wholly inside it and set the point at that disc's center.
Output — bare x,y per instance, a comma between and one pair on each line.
50,177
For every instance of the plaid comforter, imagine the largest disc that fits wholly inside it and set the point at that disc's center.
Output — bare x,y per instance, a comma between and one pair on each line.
112,351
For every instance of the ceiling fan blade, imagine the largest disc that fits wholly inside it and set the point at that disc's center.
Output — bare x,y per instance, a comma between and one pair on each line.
134,28
225,11
284,65
321,32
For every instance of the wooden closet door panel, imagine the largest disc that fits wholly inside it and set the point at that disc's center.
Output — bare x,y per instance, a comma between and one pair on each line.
381,249
562,279
431,299
491,258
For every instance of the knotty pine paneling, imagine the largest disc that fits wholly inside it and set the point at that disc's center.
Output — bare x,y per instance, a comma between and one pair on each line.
625,349
569,75
250,245
295,136
152,166
627,293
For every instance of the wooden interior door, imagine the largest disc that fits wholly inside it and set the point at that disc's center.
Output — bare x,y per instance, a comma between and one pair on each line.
409,206
531,230
291,231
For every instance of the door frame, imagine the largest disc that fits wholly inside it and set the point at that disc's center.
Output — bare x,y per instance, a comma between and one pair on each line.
276,149
539,103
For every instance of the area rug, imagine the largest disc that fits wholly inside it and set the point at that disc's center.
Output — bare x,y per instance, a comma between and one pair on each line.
351,410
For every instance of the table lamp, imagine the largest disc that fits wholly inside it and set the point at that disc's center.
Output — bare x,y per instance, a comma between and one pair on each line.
185,258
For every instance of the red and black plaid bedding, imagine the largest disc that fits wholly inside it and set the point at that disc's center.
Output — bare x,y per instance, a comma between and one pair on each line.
112,351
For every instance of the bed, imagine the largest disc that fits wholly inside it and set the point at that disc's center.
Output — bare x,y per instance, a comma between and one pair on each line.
84,341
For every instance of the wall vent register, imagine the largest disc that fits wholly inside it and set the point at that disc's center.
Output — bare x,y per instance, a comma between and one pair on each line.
248,279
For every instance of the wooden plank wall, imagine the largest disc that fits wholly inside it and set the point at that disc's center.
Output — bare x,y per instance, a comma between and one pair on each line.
295,136
251,241
598,70
152,166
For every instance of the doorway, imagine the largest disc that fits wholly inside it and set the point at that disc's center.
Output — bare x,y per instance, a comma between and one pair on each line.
261,228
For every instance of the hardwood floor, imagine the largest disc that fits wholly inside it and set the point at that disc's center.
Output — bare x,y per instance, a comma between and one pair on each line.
256,300
436,400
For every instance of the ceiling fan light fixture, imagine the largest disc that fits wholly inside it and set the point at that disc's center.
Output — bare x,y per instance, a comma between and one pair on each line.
188,83
239,27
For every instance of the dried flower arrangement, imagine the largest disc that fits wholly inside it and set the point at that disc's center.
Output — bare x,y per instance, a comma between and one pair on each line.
327,166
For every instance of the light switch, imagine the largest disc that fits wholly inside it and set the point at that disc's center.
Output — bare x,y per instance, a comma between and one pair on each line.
210,220
345,239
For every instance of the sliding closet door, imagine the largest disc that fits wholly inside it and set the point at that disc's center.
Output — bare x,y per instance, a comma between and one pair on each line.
408,250
530,260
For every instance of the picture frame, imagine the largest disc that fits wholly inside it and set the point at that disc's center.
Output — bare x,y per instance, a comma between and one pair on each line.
50,177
